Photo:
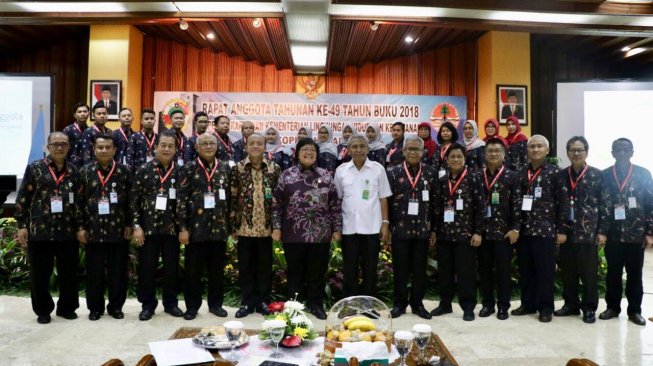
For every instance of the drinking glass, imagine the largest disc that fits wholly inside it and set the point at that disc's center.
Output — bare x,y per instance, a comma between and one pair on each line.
276,330
233,329
404,342
422,333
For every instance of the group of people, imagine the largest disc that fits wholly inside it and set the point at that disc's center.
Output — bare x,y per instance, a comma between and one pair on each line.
476,200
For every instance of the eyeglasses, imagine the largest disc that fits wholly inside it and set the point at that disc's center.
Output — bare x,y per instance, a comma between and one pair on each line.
59,145
576,151
207,144
413,149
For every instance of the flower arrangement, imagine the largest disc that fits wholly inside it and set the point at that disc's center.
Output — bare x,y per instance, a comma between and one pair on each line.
299,327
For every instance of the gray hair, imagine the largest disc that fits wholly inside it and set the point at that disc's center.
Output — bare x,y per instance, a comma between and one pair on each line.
358,136
414,138
256,134
538,138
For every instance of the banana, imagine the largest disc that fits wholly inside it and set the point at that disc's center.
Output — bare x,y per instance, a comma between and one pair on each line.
353,319
363,324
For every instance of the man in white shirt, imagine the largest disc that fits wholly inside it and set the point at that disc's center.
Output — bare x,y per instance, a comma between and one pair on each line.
363,186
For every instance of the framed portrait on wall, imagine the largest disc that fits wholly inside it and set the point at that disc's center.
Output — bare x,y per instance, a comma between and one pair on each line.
107,93
512,100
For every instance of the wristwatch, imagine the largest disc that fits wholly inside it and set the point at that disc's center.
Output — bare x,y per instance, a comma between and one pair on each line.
385,222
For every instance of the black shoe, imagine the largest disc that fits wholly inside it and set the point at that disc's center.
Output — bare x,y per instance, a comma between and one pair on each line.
589,317
502,314
637,318
70,315
190,315
219,311
146,314
43,319
397,311
117,314
440,311
317,311
545,318
262,309
522,311
486,311
175,311
94,315
608,314
243,312
468,316
421,312
566,311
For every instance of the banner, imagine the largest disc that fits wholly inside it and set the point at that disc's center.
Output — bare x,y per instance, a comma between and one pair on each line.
291,111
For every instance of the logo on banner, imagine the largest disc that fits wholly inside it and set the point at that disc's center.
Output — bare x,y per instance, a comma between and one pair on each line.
442,112
175,103
310,85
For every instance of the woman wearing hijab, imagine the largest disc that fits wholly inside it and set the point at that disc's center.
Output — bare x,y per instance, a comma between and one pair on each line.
274,149
424,132
328,158
343,147
377,147
447,135
492,132
474,146
517,149
304,132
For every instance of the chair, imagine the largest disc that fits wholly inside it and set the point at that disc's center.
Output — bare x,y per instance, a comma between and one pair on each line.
114,362
147,360
581,362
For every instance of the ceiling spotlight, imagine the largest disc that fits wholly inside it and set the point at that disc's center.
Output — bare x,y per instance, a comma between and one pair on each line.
183,25
625,49
409,39
210,36
257,22
374,26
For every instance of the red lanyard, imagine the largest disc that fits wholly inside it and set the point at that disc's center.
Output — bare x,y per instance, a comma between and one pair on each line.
453,189
532,178
343,153
77,127
413,182
621,185
97,129
443,152
392,151
467,147
490,185
227,146
573,182
512,140
149,142
163,179
206,172
57,180
181,142
103,181
123,135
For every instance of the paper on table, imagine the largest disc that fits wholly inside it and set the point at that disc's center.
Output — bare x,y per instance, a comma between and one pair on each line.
179,352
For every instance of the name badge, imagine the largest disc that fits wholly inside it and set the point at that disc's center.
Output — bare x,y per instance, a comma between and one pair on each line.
619,212
180,162
488,212
366,194
232,163
149,158
209,200
103,206
572,216
538,192
172,193
56,204
495,198
71,198
527,203
425,195
413,207
441,173
113,197
222,194
268,193
124,160
387,158
459,204
161,203
449,214
632,202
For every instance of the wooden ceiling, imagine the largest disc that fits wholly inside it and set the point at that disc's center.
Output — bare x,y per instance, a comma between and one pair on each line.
15,39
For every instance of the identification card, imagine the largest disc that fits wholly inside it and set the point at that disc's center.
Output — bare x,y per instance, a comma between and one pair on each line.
124,160
527,203
268,193
387,158
366,194
149,158
538,192
441,173
180,162
459,204
56,204
71,198
222,195
571,214
495,198
449,214
113,197
619,212
103,206
232,163
209,200
425,195
161,203
488,211
413,207
172,193
632,202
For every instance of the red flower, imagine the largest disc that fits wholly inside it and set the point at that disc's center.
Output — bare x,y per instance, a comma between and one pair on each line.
292,341
275,307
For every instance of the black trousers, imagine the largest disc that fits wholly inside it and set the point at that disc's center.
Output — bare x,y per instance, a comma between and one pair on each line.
457,263
41,255
167,246
630,256
360,250
409,261
112,258
307,265
254,269
580,261
494,258
200,256
536,258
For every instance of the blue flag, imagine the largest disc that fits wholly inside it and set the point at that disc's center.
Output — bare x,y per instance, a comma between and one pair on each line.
38,139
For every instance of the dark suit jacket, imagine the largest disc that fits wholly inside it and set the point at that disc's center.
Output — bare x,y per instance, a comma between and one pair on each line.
505,112
113,106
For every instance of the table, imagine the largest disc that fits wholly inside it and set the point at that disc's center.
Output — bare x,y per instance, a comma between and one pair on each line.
435,347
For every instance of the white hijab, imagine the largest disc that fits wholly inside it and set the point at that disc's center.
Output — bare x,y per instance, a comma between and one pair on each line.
276,146
377,143
474,142
327,146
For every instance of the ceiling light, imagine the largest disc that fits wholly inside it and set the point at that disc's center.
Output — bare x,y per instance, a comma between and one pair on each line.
308,55
229,7
183,25
257,22
374,26
409,39
635,51
210,36
625,49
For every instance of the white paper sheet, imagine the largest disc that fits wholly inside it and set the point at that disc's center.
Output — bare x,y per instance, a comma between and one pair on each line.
179,352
